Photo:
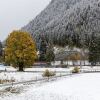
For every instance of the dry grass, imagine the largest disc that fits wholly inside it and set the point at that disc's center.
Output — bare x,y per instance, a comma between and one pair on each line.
6,81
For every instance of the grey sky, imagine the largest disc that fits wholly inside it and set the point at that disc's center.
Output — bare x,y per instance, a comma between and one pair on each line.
14,14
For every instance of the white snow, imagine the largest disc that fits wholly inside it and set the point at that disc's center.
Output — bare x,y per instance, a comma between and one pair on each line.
51,69
2,67
7,68
26,76
78,87
19,76
10,68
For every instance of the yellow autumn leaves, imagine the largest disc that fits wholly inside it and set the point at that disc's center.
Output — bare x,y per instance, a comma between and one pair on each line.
20,47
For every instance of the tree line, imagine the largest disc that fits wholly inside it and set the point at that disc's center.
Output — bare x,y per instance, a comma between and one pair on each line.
20,50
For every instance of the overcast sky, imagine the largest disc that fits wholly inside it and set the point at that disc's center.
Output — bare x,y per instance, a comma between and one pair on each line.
14,14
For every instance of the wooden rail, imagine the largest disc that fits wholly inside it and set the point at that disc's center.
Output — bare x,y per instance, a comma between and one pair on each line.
33,81
47,79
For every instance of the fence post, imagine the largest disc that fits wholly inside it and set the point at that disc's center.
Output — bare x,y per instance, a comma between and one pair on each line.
60,74
12,83
48,78
36,78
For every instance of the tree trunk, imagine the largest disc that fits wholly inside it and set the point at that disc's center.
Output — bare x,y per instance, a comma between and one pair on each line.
21,67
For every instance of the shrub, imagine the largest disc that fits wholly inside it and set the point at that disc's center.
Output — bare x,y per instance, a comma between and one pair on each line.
6,81
48,73
76,70
13,89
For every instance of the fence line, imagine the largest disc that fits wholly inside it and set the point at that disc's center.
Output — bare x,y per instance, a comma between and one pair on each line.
31,71
90,71
34,81
47,79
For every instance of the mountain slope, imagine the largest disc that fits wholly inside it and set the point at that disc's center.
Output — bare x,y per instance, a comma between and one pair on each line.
66,21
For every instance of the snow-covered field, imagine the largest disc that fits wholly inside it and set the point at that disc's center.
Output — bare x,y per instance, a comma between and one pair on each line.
36,74
26,76
9,68
23,76
19,76
77,87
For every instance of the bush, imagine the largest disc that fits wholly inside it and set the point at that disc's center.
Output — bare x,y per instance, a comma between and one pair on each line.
6,81
48,73
76,70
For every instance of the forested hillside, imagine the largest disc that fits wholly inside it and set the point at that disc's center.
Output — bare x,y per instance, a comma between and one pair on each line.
67,22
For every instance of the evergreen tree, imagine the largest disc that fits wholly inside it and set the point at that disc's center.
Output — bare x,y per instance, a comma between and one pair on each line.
50,56
94,49
42,48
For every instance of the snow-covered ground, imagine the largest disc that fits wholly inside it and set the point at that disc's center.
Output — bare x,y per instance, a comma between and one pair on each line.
78,87
26,76
37,74
23,76
19,76
51,69
89,68
10,68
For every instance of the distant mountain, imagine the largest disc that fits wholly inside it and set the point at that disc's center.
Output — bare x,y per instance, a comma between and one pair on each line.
67,22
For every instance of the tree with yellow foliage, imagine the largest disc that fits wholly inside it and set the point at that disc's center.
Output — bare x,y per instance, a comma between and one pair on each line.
75,57
20,50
